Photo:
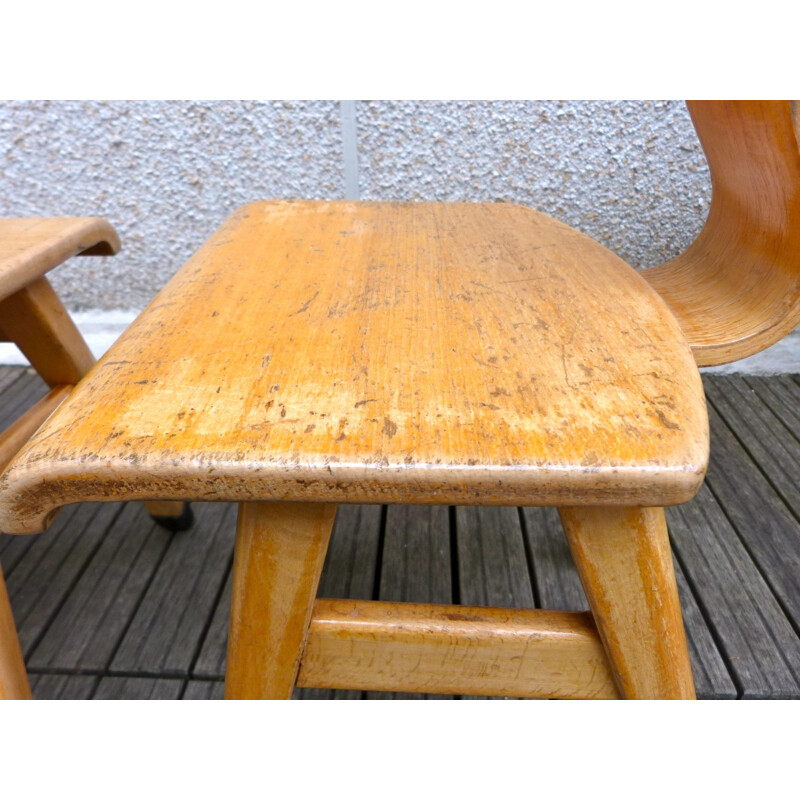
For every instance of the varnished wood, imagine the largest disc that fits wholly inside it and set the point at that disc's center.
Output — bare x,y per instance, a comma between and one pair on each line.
13,437
736,290
13,677
30,247
35,319
280,549
383,352
412,647
625,563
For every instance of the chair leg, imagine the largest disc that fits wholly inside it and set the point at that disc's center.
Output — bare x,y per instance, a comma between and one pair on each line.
13,677
280,549
625,563
34,318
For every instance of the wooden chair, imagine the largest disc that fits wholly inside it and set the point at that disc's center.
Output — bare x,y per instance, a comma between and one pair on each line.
318,353
33,317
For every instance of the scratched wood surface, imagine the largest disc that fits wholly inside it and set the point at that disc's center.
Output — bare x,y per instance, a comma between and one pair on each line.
383,352
108,605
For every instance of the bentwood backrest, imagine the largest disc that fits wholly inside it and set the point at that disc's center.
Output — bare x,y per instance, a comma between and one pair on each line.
736,289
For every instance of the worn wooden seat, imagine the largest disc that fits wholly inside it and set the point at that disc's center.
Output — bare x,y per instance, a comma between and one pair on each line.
386,353
318,353
33,317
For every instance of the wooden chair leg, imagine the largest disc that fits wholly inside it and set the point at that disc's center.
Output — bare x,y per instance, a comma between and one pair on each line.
13,677
35,319
625,563
280,549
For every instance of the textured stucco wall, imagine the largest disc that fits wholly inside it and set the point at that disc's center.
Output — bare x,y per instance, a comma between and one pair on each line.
164,173
630,174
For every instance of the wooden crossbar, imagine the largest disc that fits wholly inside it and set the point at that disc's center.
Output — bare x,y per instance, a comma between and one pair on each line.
410,647
16,434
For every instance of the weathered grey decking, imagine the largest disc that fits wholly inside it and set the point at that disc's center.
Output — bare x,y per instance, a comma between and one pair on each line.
108,605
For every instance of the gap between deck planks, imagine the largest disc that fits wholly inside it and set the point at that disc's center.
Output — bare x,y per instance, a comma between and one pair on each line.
110,606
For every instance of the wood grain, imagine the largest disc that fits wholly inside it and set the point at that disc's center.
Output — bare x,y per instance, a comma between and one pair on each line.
382,352
119,688
761,649
625,563
454,649
36,321
559,587
736,289
93,618
64,687
40,581
492,567
188,582
280,550
30,247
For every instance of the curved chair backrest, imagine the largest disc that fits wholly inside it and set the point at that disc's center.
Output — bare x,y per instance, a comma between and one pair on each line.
736,289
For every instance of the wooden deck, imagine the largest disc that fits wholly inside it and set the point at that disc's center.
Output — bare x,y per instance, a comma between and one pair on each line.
109,605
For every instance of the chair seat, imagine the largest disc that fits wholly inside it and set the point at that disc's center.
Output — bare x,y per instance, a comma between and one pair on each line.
384,352
31,246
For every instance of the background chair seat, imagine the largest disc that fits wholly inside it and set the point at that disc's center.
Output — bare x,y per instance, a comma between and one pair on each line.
32,246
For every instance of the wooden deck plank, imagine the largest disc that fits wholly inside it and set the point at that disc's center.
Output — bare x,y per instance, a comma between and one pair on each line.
169,624
352,560
755,636
63,687
712,679
210,662
559,587
20,395
9,375
43,578
492,564
764,523
762,434
556,579
204,690
415,566
13,549
781,395
96,613
124,688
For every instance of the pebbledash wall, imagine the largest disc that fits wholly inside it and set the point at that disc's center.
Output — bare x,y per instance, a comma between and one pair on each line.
630,174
